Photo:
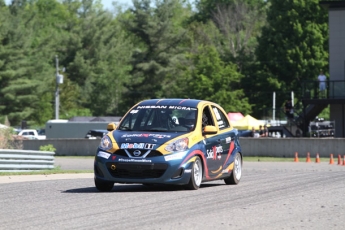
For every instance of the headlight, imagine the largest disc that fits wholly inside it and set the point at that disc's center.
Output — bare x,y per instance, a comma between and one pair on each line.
178,145
106,143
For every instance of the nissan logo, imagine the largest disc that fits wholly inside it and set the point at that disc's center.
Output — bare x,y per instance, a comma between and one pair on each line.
136,153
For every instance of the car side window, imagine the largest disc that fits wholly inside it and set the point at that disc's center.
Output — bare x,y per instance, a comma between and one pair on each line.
222,120
207,117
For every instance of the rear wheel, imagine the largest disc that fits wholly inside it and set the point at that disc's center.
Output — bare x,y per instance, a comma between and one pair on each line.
103,186
196,176
236,173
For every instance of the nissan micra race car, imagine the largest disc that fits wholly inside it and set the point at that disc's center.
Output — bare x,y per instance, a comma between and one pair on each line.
169,141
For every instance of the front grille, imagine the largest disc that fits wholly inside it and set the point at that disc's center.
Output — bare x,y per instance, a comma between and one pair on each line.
137,170
153,153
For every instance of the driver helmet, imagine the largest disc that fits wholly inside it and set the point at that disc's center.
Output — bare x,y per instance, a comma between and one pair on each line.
175,120
190,120
204,120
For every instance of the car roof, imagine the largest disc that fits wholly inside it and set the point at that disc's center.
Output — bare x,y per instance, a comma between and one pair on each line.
171,102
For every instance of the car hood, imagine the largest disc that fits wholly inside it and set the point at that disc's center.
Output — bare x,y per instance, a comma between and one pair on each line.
158,138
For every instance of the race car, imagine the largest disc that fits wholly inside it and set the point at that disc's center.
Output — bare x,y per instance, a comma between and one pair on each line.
169,141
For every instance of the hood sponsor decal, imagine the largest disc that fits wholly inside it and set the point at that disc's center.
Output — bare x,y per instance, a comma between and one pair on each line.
146,135
137,146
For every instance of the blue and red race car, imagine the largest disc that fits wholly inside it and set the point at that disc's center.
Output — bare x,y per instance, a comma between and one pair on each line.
169,141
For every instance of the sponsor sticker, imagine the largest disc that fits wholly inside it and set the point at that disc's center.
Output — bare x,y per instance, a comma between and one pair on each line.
165,107
214,153
134,160
103,154
146,135
134,111
137,146
175,156
225,171
228,140
152,107
180,107
216,112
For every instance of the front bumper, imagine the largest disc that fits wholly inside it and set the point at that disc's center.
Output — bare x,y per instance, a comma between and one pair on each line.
153,170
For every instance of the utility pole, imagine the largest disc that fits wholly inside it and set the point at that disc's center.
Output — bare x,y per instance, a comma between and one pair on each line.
59,80
274,107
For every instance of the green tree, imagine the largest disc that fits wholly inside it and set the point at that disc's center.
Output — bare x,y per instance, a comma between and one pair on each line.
233,27
34,32
157,32
207,8
293,47
240,24
207,77
21,69
97,59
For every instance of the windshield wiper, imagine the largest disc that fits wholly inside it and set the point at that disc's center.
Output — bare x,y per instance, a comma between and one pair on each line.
156,130
125,128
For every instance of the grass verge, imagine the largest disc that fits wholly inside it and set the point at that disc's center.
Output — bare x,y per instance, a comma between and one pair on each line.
56,170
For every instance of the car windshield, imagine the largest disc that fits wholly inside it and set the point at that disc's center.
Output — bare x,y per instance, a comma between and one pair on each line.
160,119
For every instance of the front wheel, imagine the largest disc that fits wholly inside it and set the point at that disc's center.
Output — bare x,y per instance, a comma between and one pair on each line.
103,186
196,176
236,173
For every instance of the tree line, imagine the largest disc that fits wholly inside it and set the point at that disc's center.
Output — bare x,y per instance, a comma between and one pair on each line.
233,52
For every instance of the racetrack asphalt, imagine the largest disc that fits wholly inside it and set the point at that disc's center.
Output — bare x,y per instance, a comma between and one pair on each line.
87,164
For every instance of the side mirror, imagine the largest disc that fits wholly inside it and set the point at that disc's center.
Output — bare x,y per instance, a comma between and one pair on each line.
111,126
210,129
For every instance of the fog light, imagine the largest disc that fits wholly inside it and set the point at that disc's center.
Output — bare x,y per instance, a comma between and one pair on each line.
177,174
113,167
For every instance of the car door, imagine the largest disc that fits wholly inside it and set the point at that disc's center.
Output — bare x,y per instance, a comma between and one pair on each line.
214,148
225,135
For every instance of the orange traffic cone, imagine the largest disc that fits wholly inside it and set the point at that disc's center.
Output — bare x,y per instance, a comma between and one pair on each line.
339,159
317,159
308,158
331,161
296,157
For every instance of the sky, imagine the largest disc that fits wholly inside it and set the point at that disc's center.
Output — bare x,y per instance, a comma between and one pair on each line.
106,3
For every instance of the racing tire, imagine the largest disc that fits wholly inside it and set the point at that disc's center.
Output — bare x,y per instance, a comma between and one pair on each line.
236,173
103,186
196,175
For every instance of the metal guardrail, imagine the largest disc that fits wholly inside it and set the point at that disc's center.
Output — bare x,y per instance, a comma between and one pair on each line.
12,160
